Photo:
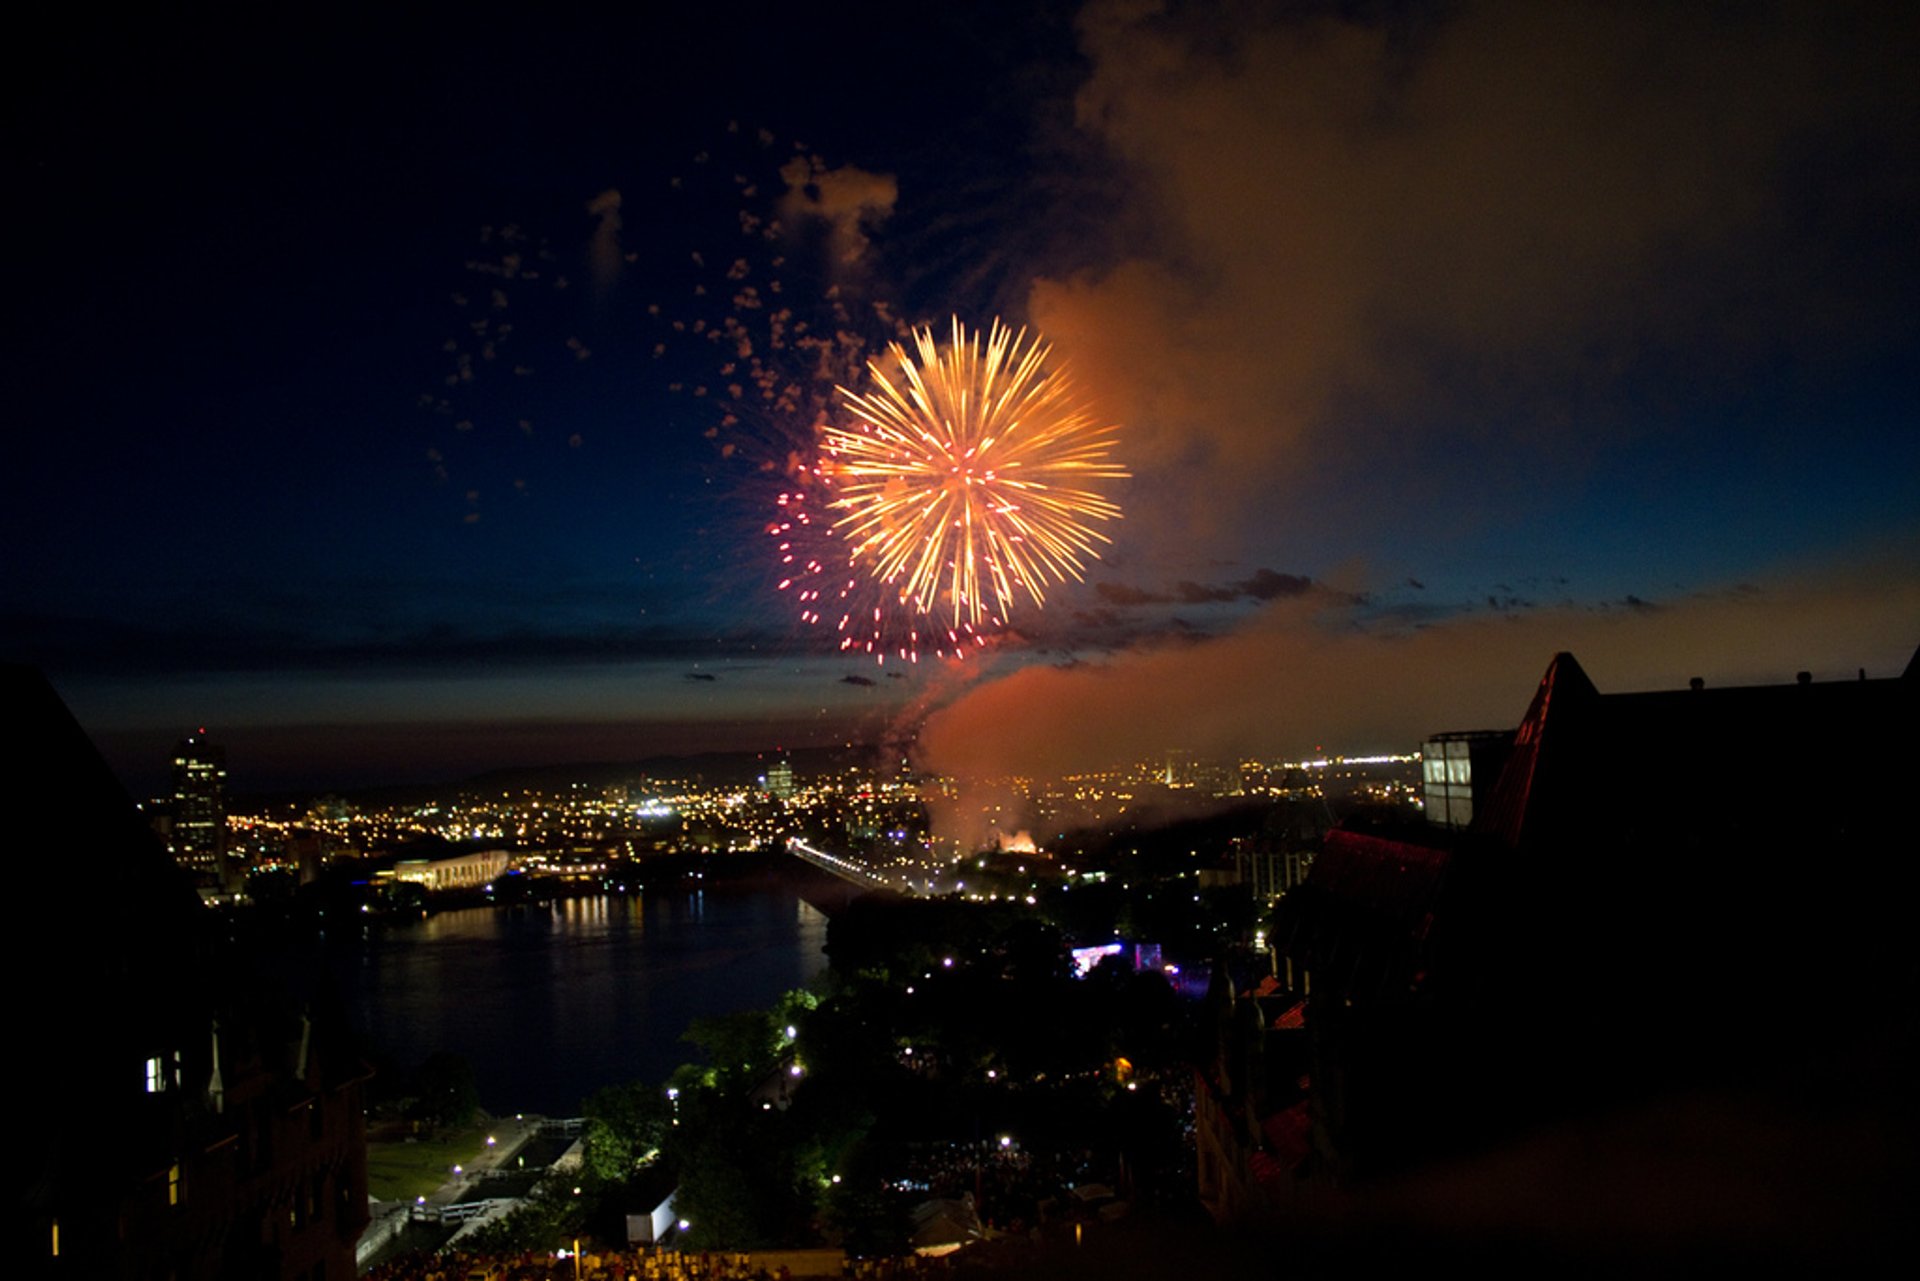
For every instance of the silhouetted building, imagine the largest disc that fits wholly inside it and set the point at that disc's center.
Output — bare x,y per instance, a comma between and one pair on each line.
181,1111
1275,860
198,835
1655,893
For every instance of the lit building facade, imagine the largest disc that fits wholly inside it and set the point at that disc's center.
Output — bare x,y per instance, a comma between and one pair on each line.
780,780
459,872
1451,767
198,837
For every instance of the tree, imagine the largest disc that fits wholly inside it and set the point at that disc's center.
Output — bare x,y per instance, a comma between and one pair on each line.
739,1187
740,1046
625,1124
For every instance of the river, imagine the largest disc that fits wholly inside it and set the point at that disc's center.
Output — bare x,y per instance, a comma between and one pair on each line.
549,1003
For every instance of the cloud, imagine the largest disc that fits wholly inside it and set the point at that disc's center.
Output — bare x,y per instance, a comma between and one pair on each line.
1267,585
1292,677
1262,585
1418,243
1124,595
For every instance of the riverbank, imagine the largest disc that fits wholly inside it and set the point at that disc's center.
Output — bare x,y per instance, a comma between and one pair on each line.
415,1184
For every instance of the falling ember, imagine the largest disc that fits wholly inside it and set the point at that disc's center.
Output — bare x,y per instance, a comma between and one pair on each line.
869,617
961,479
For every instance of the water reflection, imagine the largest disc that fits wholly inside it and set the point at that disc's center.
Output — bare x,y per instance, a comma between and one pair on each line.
551,1003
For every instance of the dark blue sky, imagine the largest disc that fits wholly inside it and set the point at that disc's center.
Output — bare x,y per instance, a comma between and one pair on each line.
1594,326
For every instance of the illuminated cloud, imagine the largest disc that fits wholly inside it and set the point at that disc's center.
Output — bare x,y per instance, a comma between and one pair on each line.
1381,276
1293,677
1420,240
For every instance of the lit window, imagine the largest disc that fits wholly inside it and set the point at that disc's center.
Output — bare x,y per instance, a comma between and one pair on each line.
156,1074
173,1185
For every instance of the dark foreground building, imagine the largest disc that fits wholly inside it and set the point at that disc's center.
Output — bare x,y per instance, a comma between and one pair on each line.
1627,905
180,1111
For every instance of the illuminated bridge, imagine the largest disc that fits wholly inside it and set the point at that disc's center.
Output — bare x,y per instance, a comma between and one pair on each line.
846,869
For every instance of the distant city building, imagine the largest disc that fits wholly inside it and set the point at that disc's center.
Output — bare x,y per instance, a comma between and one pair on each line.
330,809
458,872
1180,768
780,780
307,852
198,835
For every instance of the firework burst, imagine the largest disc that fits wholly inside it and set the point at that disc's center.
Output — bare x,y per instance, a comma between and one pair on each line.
961,480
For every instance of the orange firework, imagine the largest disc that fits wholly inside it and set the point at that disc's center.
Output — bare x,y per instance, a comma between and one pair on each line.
962,479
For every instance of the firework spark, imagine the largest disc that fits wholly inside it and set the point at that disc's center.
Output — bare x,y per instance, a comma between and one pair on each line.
870,617
961,478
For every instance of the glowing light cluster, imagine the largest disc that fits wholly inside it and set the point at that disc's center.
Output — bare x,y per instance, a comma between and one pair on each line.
962,478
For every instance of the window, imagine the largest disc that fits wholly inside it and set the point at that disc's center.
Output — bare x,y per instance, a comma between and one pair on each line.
156,1074
173,1184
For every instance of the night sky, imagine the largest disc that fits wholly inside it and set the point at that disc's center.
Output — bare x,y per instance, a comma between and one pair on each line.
372,422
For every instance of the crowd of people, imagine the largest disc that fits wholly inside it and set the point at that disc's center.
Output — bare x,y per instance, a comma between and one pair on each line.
1014,1187
636,1263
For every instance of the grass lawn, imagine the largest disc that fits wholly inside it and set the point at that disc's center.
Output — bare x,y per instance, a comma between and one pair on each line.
399,1171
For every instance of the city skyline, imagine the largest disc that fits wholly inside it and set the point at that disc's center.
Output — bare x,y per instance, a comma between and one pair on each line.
1440,339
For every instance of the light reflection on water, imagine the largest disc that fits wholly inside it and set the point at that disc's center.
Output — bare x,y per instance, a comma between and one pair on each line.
549,1004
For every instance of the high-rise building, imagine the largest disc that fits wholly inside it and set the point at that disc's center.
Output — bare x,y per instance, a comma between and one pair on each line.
780,780
198,837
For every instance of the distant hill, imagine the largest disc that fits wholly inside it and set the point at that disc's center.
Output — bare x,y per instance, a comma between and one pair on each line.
711,768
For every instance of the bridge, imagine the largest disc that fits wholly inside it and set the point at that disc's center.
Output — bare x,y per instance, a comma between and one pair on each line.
845,868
